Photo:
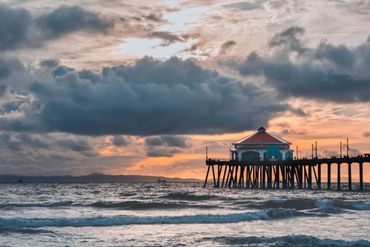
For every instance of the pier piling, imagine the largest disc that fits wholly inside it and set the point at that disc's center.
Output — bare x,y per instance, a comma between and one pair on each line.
329,176
338,177
349,176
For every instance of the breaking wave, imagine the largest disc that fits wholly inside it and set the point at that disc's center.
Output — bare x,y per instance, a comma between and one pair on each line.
269,214
142,205
188,196
327,205
38,205
289,240
23,230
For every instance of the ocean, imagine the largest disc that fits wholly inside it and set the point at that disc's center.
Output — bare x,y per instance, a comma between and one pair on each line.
179,214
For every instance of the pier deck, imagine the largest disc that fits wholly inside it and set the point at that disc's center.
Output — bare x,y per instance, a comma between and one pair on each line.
285,174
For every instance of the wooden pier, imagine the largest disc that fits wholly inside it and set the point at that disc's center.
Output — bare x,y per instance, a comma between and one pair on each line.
285,174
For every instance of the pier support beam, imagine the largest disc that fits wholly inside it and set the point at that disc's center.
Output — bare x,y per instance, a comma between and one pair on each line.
205,181
269,177
292,171
219,171
223,178
338,176
319,176
309,177
277,177
214,177
329,177
248,177
361,171
300,176
349,176
263,177
284,177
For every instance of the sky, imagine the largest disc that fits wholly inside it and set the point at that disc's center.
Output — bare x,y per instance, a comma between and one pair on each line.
142,87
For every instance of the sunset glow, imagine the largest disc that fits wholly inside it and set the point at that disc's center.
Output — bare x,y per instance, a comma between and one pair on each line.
144,87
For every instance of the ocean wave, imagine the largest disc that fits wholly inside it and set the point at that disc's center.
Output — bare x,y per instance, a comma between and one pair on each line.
298,204
362,205
38,205
127,194
343,204
142,205
23,230
325,205
289,240
188,196
270,214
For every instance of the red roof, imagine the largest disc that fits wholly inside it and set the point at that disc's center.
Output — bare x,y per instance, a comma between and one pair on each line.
262,137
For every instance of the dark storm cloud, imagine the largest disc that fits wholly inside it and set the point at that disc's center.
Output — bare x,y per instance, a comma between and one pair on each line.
62,70
8,65
18,28
49,63
15,27
157,146
161,152
170,141
76,145
89,75
41,143
67,19
328,72
120,141
149,97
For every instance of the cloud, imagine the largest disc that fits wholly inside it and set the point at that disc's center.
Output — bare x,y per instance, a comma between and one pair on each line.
330,153
289,40
49,63
149,97
168,37
120,141
162,152
43,145
67,19
157,146
19,28
169,141
154,17
8,65
15,27
226,46
246,5
54,154
327,72
356,6
366,134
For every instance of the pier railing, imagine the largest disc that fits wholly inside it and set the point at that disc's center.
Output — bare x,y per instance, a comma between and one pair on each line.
285,174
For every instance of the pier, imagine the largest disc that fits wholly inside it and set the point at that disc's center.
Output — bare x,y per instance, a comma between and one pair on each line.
285,174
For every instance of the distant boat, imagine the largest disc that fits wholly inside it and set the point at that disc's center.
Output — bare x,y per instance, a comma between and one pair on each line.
20,180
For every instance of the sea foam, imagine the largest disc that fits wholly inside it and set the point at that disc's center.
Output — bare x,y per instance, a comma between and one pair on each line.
269,214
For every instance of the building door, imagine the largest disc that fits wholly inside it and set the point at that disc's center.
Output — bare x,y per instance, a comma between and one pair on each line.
250,156
273,152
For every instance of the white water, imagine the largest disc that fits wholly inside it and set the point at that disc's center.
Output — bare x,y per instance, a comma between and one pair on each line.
179,214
